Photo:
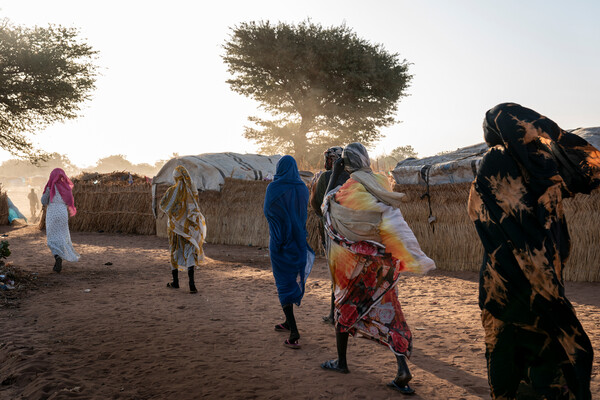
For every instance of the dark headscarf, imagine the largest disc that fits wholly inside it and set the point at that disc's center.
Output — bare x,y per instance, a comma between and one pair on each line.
286,177
330,155
541,147
356,158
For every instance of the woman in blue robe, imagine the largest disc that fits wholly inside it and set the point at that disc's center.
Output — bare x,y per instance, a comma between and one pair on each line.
286,204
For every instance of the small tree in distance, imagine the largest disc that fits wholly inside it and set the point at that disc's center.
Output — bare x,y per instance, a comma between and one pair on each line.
388,162
321,86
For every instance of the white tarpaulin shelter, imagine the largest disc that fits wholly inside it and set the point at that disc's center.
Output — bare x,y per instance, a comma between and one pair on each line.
460,165
208,171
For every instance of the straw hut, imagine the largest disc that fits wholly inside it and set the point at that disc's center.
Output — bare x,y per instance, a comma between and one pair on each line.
231,189
117,202
438,192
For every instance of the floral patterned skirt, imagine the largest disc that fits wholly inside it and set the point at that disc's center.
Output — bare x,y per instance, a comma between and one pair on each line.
366,300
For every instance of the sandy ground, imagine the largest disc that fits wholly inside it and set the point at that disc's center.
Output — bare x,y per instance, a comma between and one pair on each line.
130,337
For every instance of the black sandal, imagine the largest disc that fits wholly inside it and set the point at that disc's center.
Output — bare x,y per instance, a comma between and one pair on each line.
404,389
57,264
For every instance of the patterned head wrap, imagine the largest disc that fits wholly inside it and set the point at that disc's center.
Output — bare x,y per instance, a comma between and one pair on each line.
542,148
356,158
332,154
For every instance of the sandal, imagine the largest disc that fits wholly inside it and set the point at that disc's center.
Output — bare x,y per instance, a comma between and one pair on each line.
292,344
404,389
332,365
282,328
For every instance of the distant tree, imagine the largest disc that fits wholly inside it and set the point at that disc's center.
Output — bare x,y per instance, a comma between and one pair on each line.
113,163
388,162
322,86
145,169
25,169
403,152
45,75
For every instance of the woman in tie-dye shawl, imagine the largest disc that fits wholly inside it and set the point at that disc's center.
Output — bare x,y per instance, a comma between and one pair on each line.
368,246
531,330
186,226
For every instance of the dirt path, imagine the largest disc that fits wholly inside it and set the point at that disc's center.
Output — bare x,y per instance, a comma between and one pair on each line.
129,337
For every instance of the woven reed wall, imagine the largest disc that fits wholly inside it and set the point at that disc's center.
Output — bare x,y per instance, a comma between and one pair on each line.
582,213
111,208
233,216
452,241
3,207
313,226
455,245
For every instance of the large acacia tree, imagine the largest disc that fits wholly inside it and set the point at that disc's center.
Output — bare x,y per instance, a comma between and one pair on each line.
321,86
45,75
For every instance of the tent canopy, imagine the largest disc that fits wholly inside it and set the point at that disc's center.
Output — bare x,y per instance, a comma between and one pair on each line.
208,171
460,165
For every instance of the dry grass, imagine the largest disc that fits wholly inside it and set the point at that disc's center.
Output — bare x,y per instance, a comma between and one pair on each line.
233,216
451,241
115,178
313,227
455,245
111,207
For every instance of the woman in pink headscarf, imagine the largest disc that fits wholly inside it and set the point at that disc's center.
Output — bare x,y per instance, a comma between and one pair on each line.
58,197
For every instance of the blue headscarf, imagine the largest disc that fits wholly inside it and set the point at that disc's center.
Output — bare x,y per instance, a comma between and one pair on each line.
286,204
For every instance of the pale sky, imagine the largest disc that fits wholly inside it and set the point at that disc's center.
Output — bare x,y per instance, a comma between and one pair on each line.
163,89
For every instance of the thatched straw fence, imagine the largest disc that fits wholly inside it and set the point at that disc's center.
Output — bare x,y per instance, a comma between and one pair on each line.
109,203
235,214
455,245
3,207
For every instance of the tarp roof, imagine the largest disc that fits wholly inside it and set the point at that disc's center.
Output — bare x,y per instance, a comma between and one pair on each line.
208,171
460,165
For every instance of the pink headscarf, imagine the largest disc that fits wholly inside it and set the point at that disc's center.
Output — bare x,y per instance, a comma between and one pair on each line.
59,180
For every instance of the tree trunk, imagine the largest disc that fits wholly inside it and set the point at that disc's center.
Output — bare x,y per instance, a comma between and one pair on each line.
301,142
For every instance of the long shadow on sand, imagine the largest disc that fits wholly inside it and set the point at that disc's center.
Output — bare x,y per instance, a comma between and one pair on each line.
474,384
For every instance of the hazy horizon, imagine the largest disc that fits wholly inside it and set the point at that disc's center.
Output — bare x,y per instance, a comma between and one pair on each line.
162,87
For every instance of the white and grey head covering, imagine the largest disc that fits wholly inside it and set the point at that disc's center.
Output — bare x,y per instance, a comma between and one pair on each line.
356,158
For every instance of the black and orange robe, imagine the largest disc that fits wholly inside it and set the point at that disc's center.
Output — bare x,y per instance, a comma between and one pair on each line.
532,333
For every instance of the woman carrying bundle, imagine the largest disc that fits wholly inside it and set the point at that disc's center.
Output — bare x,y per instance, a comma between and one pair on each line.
186,227
368,246
58,197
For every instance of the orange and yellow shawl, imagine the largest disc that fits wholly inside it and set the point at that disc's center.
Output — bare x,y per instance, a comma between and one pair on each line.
369,246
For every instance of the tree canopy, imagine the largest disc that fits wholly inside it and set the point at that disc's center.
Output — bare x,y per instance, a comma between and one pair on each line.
321,86
45,75
388,162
